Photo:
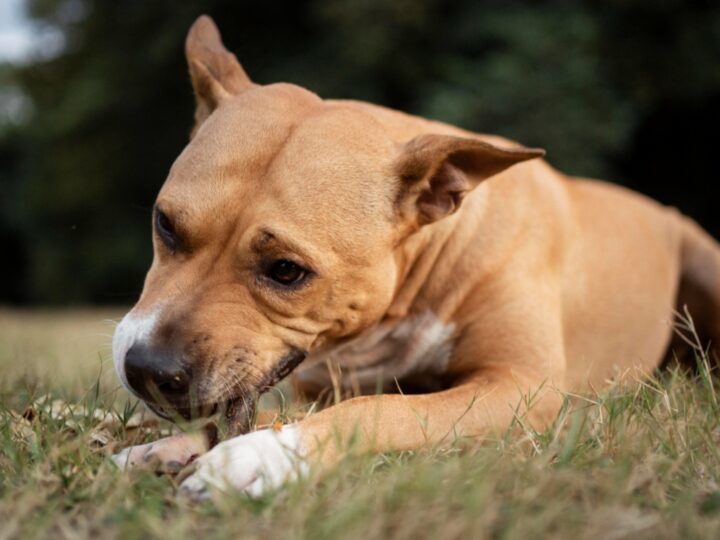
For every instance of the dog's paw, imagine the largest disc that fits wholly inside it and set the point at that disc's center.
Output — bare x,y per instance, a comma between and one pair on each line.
254,463
167,455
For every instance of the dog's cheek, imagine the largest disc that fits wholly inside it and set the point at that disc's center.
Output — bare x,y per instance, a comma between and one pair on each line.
362,301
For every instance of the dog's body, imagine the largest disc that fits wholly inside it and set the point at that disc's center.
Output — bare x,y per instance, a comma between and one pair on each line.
430,259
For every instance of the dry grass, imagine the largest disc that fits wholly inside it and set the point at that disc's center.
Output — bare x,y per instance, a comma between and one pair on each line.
631,463
67,348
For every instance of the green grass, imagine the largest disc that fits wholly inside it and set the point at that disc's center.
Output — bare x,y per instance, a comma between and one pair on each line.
642,462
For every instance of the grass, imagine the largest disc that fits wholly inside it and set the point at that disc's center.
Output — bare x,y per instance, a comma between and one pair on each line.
641,462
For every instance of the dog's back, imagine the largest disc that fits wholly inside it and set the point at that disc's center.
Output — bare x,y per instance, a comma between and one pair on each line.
619,297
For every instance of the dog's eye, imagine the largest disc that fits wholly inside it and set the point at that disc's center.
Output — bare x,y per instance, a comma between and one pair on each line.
165,230
286,272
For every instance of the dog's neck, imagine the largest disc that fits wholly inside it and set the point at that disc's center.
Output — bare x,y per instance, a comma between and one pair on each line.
414,336
419,255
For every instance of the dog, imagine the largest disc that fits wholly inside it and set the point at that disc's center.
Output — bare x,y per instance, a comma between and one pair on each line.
348,242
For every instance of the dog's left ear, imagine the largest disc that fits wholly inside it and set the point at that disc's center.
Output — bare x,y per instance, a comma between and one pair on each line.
437,171
215,72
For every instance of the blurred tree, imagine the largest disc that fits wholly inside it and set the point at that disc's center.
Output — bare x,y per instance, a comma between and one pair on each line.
621,90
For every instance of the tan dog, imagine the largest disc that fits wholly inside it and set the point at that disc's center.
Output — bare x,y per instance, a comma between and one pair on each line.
399,251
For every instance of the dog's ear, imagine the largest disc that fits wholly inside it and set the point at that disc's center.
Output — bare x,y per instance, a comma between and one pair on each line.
437,171
215,72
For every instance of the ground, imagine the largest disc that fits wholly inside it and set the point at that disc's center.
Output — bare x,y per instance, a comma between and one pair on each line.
640,462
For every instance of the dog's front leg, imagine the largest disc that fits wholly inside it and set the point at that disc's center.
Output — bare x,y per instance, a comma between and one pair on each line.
265,459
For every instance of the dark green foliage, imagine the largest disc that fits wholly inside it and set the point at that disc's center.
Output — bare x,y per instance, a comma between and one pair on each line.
621,89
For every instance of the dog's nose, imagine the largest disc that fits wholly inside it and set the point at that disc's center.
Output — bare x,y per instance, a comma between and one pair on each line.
155,375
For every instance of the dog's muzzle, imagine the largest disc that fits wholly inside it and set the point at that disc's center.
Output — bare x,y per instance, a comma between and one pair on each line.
170,386
158,376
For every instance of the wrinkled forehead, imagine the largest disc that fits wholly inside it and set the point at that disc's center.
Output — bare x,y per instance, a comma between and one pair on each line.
334,168
240,138
281,154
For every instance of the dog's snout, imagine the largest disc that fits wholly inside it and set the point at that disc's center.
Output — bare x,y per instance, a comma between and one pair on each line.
155,375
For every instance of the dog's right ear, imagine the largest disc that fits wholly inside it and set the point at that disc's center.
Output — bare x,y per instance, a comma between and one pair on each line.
215,72
437,171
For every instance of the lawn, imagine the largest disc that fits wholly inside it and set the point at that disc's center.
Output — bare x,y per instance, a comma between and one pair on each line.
640,462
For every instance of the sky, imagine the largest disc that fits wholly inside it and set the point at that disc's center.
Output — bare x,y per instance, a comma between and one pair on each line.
21,40
17,35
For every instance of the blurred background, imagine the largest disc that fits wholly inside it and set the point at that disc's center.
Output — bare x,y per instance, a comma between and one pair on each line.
95,103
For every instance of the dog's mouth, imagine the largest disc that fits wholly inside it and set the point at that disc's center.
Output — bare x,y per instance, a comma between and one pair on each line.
235,413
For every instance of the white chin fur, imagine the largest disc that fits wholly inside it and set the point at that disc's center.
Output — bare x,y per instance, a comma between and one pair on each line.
132,329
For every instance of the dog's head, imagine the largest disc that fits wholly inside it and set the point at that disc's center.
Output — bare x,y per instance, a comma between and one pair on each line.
277,230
